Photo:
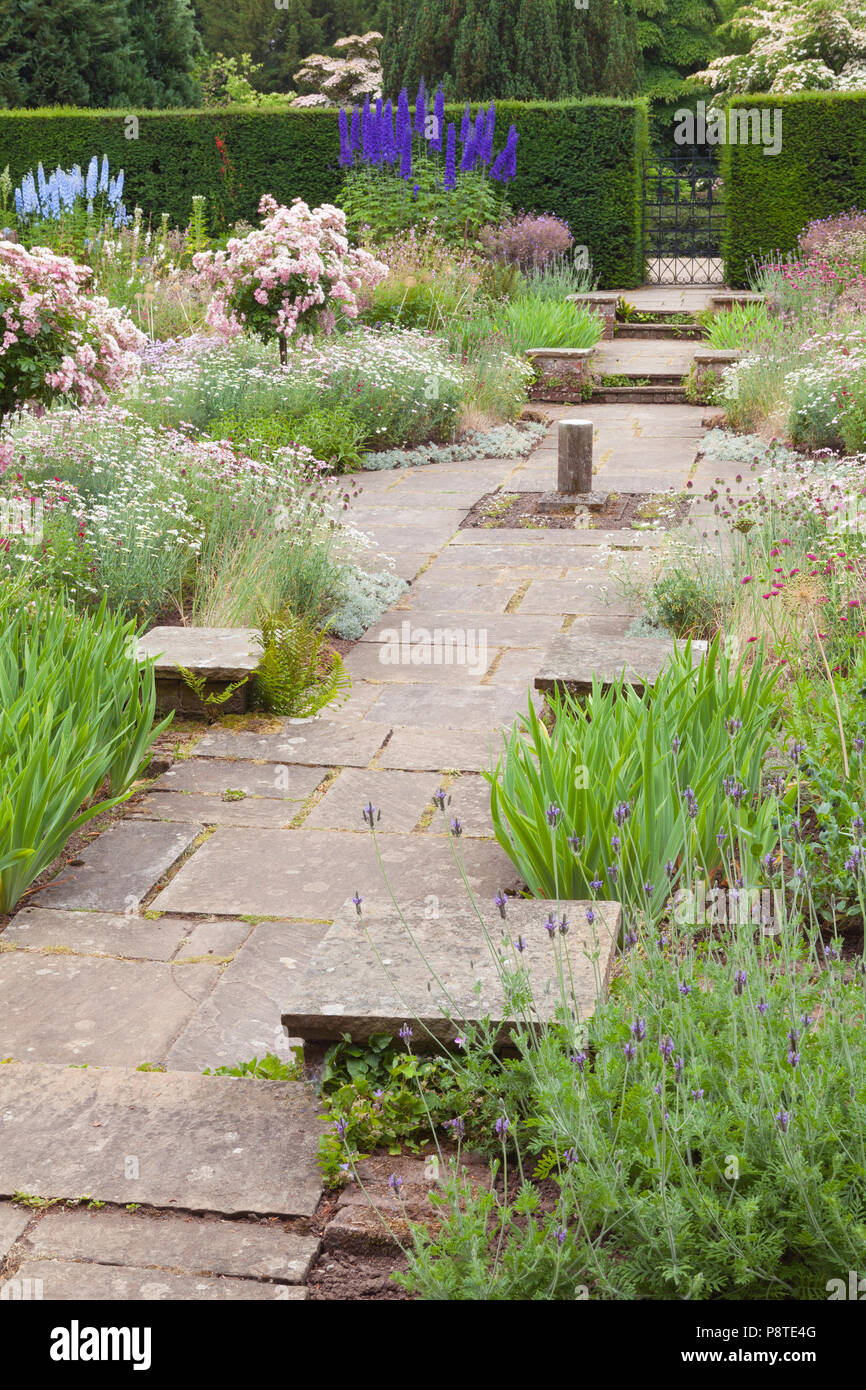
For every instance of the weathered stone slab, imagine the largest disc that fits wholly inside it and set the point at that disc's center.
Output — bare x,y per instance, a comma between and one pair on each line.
175,1243
315,742
212,776
456,707
562,596
458,653
570,501
401,797
222,937
220,653
14,1221
241,1018
120,867
502,629
438,749
448,968
309,874
189,808
468,801
65,1281
434,591
574,661
199,1143
59,1008
96,933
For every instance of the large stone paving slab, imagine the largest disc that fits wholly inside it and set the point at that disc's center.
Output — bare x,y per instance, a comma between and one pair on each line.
178,1243
212,777
189,808
120,867
400,797
468,800
501,629
558,596
198,1143
309,874
65,1281
371,975
58,1008
240,1019
315,742
441,749
96,933
455,654
455,707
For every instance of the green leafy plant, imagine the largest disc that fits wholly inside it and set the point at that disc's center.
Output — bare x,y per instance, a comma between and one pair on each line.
298,674
741,326
267,1068
535,322
76,708
649,770
217,698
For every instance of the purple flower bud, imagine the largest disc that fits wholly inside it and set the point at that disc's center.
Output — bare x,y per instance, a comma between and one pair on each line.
638,1029
406,1034
739,981
666,1047
502,1127
357,901
520,943
782,1118
501,902
395,1182
553,814
630,1052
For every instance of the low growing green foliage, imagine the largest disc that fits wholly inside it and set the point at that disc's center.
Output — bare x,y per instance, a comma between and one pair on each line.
76,708
298,674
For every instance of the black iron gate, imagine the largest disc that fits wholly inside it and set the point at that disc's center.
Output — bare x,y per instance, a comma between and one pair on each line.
683,216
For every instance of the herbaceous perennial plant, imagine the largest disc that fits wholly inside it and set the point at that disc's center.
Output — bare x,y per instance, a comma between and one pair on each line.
69,210
295,273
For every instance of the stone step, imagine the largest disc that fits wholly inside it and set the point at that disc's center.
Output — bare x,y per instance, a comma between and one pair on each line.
639,395
652,332
575,660
161,1139
372,975
220,656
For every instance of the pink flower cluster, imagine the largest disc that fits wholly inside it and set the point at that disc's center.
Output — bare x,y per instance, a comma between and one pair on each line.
83,346
292,272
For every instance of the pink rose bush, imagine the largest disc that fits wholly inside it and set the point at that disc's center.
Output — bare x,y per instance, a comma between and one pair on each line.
297,271
54,339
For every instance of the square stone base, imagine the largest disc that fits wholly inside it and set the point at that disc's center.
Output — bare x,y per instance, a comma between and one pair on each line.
568,501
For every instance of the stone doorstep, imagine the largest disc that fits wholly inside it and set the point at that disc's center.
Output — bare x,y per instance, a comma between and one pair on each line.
576,660
370,975
217,653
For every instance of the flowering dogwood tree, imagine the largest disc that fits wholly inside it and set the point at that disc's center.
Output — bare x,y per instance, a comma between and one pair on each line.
295,272
796,46
56,341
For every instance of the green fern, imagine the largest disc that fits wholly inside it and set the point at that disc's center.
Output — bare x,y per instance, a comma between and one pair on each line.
198,685
298,675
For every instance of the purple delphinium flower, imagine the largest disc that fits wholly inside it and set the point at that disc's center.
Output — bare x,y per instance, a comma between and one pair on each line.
355,130
470,154
345,140
438,120
509,167
368,133
405,148
404,118
420,108
389,144
489,125
450,179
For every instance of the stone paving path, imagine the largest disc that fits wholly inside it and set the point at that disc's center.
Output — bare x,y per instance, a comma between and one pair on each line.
172,939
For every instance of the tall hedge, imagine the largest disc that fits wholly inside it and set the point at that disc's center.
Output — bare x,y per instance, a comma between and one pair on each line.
578,159
820,171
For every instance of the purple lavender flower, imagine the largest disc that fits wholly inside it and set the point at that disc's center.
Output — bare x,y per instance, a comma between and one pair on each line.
690,801
666,1047
501,902
563,926
550,925
733,789
357,901
676,744
579,1060
796,751
739,981
629,1052
698,1095
657,1088
395,1182
679,1067
502,1127
576,842
596,883
341,1126
570,1156
553,814
733,726
612,871
830,953
638,1029
520,944
457,1127
371,815
621,812
615,843
782,1117
406,1034
685,990
456,827
559,1234
461,1043
590,915
670,868
648,889
762,1006
794,1058
631,938
440,797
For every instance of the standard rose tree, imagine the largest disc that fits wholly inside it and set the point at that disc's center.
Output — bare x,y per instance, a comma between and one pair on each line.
296,273
57,341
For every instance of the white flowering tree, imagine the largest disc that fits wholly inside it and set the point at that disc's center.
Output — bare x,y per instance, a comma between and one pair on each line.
355,74
796,46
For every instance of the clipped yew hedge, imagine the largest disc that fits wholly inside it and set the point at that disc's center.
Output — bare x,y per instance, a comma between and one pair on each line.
578,159
820,171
